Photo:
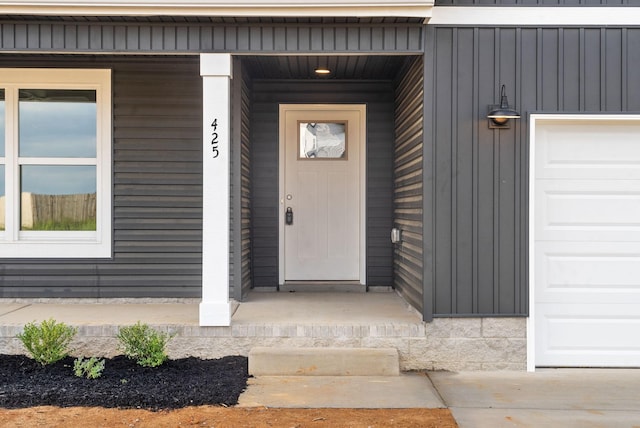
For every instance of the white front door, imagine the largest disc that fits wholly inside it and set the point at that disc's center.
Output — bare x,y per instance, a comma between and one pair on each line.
322,149
586,241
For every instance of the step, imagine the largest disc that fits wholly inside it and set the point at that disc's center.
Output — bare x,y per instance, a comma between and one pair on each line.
289,361
323,287
331,287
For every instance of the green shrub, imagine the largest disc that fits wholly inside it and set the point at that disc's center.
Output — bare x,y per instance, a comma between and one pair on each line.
48,341
90,368
144,344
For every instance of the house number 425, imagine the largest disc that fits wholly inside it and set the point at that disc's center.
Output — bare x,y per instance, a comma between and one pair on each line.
214,138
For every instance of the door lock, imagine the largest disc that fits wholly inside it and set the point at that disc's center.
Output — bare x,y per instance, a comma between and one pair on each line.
288,216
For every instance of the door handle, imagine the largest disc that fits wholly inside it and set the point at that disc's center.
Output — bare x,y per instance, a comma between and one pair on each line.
288,216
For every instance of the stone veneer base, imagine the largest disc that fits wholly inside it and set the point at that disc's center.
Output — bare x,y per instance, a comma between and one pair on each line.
453,344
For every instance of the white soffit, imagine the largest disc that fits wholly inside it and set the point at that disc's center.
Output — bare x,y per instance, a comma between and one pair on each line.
280,8
535,16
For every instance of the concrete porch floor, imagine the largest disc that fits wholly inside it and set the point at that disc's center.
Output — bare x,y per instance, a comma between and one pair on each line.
304,319
265,308
325,309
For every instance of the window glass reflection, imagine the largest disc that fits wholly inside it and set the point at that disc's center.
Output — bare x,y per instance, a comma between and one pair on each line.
2,119
2,198
58,197
57,123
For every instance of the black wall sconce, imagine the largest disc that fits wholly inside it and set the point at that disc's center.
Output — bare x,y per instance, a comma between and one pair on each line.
499,115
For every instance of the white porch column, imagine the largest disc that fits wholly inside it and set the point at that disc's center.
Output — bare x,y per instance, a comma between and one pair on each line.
215,308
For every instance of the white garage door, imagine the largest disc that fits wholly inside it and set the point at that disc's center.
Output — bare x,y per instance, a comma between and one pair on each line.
586,241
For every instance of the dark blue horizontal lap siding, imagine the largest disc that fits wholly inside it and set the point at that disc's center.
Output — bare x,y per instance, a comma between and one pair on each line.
240,264
408,178
157,189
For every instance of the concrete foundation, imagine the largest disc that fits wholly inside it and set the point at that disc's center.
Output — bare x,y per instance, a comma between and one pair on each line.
289,320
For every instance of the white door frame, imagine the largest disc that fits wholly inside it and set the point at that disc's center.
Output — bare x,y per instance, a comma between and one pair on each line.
361,108
533,119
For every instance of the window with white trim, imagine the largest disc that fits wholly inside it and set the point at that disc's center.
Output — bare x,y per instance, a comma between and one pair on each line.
55,163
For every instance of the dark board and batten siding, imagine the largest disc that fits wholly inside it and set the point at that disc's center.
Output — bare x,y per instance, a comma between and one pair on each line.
408,176
266,96
476,202
157,189
195,38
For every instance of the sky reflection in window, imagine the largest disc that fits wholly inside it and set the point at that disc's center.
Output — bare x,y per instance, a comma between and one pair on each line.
58,179
57,123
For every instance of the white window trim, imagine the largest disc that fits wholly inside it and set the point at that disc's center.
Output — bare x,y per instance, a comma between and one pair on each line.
80,244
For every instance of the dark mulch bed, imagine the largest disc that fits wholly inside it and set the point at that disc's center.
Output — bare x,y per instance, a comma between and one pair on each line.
123,384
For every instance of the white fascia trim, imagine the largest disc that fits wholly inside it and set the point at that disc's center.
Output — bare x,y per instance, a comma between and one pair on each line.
332,8
535,16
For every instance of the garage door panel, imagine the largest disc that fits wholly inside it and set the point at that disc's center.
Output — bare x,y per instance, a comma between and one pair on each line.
578,272
577,149
586,240
588,335
588,210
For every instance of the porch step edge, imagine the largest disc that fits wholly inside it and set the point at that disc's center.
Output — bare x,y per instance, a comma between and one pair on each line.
290,361
322,287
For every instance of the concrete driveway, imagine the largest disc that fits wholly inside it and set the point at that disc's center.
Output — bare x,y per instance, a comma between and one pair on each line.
547,398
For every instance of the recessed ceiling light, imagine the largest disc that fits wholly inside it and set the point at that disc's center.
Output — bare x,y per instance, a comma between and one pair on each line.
323,70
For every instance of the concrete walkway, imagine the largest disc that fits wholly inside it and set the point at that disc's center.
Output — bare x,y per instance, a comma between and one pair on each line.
547,398
409,390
